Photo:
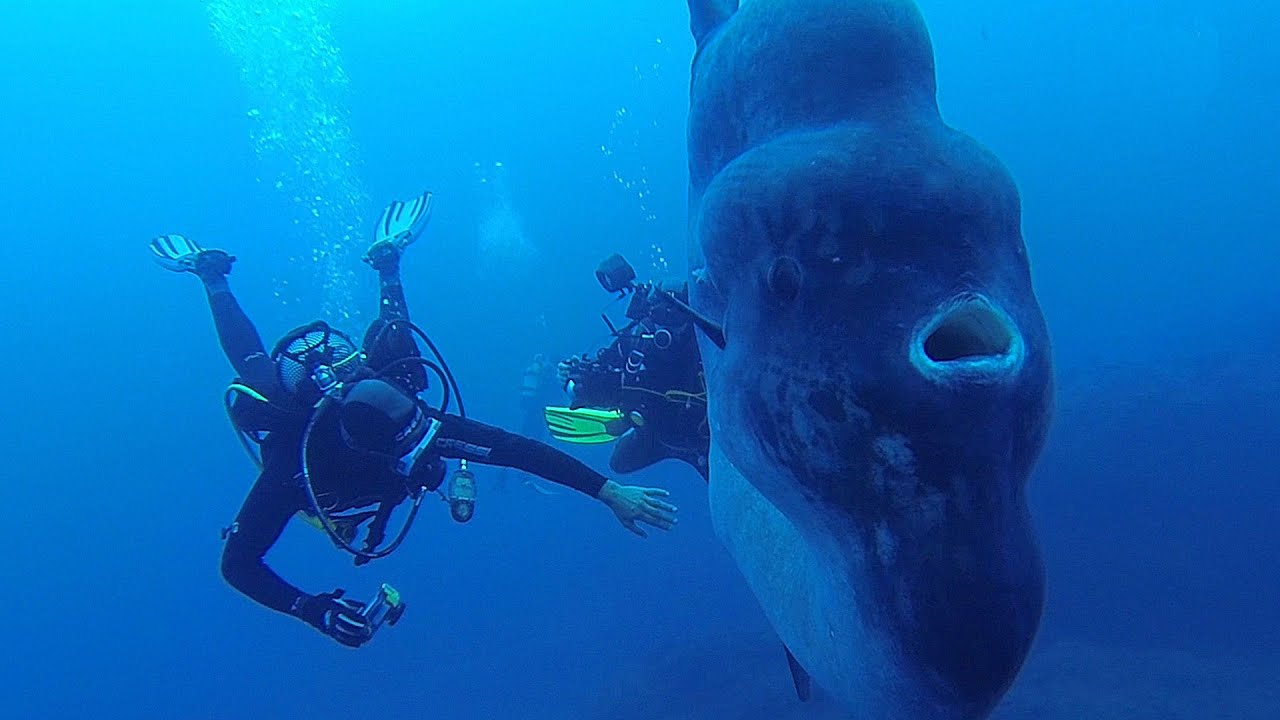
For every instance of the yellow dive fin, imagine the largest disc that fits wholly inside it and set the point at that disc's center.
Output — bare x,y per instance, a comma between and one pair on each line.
586,426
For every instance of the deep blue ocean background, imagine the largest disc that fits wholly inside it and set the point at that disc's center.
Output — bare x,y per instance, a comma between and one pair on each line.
1142,136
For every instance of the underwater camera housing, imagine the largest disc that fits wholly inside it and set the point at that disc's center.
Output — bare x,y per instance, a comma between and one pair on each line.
616,274
360,625
386,607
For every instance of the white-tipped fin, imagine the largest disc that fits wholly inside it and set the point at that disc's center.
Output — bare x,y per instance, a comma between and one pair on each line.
402,222
175,253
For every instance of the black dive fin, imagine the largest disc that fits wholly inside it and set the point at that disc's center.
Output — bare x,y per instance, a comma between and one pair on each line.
705,16
799,677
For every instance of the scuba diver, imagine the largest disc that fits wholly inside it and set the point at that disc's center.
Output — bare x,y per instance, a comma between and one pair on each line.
342,436
534,384
645,389
534,391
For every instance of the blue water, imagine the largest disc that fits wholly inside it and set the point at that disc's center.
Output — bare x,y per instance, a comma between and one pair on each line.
1140,133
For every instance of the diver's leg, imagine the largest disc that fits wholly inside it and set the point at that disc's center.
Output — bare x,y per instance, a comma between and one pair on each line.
636,450
236,332
639,449
389,338
391,301
699,463
383,341
400,225
695,457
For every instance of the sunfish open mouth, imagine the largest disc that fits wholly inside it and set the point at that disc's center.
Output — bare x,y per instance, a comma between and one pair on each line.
967,338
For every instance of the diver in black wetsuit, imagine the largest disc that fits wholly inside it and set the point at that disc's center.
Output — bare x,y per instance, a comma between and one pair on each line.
342,428
646,389
650,377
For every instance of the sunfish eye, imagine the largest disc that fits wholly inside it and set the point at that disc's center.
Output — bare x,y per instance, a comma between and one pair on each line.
785,278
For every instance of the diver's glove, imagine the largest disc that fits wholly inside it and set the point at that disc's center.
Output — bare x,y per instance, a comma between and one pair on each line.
400,225
335,616
176,253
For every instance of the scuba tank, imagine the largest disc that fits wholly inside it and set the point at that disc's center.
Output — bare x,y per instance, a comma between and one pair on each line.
531,380
331,384
328,376
461,494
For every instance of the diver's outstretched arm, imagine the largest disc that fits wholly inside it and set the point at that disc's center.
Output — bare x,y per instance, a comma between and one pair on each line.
485,444
236,332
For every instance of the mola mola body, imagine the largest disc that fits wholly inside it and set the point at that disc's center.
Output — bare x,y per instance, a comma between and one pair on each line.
883,385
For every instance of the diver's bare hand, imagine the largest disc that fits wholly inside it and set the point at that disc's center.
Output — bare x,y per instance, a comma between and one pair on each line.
633,505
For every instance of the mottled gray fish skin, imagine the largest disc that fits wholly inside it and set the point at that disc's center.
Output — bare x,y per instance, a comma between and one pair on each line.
885,385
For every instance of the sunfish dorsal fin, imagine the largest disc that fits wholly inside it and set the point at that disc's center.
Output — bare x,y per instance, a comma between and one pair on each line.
705,16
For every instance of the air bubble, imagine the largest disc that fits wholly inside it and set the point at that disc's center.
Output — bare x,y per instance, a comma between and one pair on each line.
291,66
